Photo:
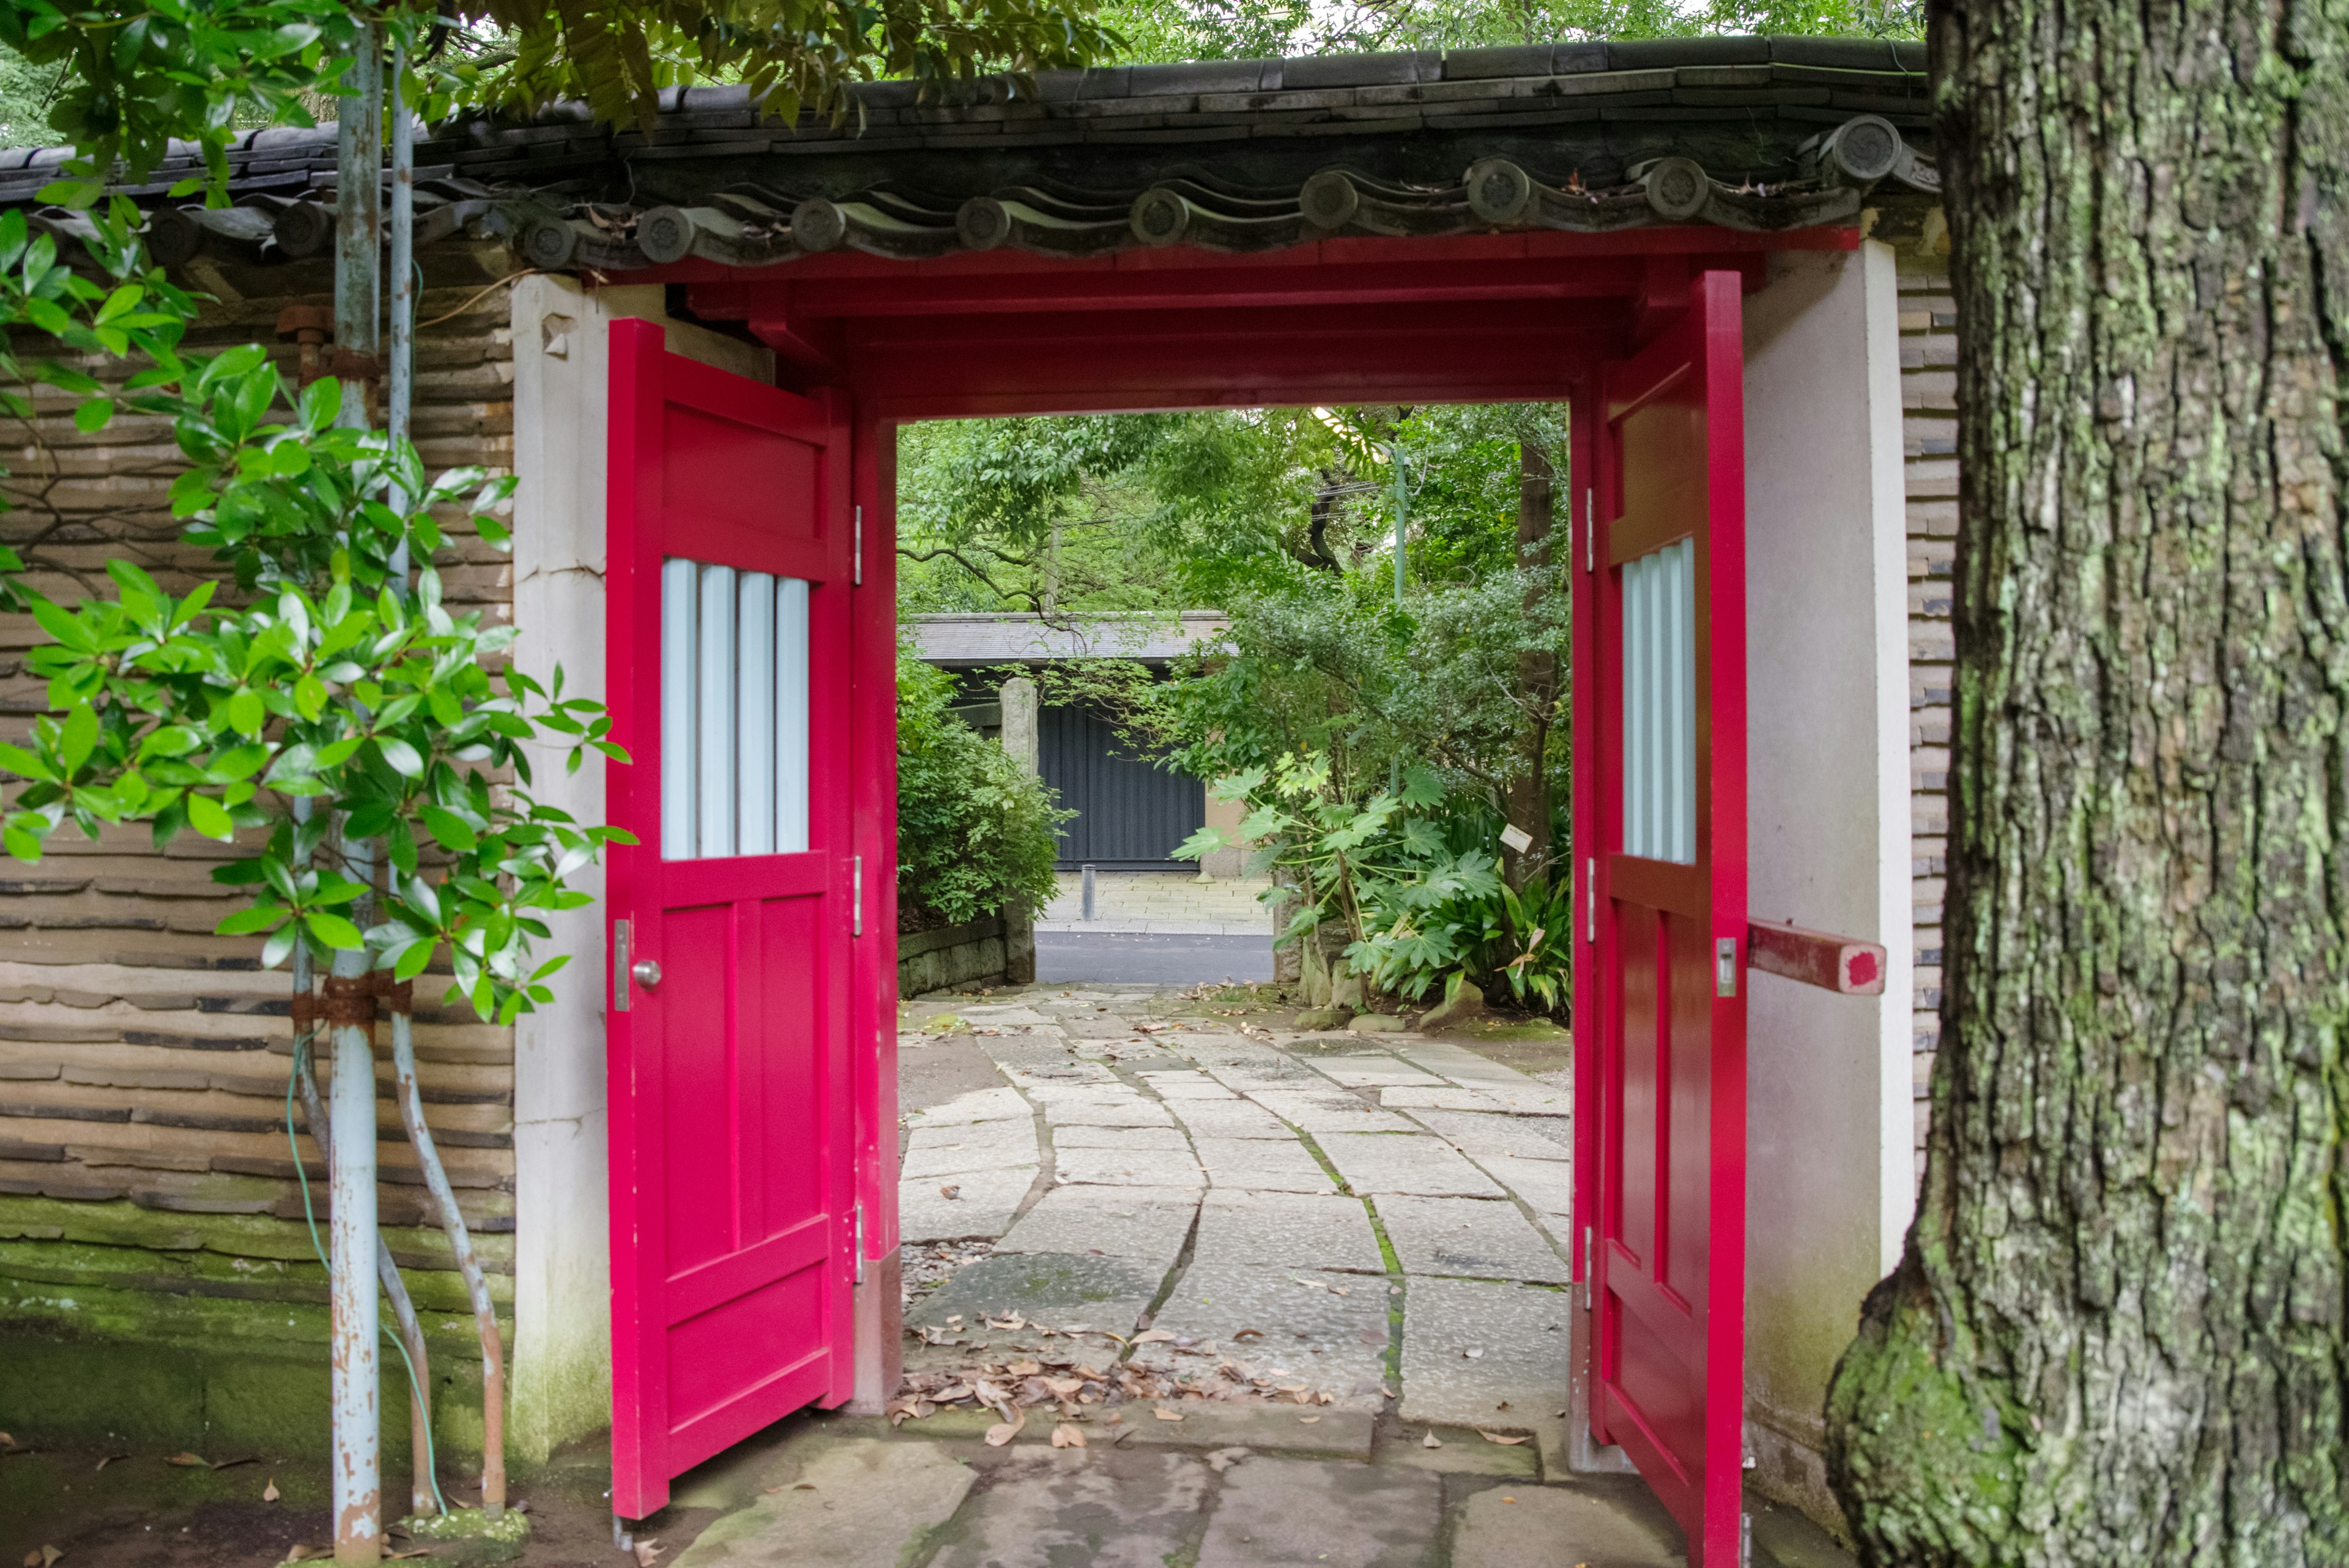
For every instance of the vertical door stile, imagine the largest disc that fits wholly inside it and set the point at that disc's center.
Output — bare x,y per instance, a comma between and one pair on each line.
1666,762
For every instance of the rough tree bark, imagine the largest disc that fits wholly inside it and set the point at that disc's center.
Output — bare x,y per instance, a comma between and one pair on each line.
1538,677
2117,1335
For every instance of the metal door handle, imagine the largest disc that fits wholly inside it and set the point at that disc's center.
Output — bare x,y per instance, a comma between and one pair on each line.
646,972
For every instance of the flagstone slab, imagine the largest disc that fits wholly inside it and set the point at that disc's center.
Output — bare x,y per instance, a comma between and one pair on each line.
1119,1137
1287,1230
982,1207
1378,1070
982,1146
1129,1166
1539,1527
1417,1163
1262,1165
863,1502
1104,1508
1546,1185
1293,1513
1142,1223
1229,1119
998,1104
1321,1333
1128,1110
1186,1084
1479,1134
1484,1353
1059,1289
1321,1111
1540,1100
1480,1238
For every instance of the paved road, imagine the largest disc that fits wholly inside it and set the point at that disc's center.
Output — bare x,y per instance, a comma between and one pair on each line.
1184,958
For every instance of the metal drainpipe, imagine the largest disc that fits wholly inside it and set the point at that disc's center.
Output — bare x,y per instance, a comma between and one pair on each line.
402,367
357,1477
400,382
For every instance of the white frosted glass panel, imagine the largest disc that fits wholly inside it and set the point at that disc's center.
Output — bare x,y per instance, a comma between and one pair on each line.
714,705
678,590
755,728
1659,704
791,716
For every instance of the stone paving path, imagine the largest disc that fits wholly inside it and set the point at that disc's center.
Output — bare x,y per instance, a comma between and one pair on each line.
1369,1215
1232,1296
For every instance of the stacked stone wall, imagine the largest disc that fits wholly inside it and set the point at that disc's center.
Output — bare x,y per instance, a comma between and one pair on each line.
157,1274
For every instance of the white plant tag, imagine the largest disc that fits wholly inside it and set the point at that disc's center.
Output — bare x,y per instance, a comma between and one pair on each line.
1517,838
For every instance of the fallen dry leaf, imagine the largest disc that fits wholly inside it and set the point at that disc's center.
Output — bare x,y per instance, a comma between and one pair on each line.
1003,1432
1474,1354
1431,1442
1153,1336
1497,1437
648,1553
301,1553
1026,1368
1249,1333
6,1442
270,1492
1163,1414
954,1191
106,1460
190,1462
1068,1436
1306,1420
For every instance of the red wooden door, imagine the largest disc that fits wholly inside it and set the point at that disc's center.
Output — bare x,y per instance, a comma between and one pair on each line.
1669,1289
730,1096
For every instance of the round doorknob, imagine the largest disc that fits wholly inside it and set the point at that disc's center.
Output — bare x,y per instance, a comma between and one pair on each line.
647,972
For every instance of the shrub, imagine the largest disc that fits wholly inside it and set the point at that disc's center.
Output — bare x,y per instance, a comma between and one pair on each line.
975,833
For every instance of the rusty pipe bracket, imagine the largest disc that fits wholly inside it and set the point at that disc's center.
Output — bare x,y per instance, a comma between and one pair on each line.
350,1000
398,996
307,1009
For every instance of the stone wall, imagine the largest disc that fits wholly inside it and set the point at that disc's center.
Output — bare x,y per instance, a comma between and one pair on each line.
1928,354
998,950
157,1276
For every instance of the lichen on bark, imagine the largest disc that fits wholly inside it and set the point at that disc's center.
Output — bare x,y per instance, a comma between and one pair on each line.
2119,1331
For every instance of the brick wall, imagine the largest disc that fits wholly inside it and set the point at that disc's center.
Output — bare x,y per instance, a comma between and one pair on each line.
1929,424
148,1191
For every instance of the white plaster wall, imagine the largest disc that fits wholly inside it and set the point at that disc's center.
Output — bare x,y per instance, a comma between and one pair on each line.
1830,1175
561,1371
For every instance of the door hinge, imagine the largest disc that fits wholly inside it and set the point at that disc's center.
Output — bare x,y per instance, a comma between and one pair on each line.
619,966
1589,899
856,895
1589,528
857,567
1589,1255
860,1243
1724,967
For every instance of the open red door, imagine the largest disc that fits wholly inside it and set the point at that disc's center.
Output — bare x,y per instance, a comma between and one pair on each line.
1669,915
731,1099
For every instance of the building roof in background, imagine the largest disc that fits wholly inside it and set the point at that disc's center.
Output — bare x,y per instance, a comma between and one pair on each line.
1018,638
1747,133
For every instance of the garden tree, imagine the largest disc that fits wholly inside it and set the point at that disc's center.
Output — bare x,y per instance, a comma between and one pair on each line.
2120,1329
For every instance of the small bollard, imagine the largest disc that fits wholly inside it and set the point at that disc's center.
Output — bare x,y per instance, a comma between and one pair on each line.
1088,875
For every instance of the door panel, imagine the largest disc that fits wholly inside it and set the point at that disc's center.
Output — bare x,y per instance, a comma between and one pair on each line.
1667,756
730,1095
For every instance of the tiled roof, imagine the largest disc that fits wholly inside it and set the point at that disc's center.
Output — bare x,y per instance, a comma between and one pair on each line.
1750,133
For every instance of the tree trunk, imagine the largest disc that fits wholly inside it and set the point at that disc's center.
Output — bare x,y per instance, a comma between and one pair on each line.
2117,1333
1538,676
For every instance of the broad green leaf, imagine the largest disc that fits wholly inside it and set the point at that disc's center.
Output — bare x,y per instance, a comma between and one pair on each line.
246,921
449,828
334,930
403,758
77,737
209,817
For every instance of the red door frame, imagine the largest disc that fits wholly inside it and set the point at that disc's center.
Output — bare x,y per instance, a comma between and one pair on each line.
1469,319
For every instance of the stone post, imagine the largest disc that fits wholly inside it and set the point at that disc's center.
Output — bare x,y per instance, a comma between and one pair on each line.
1021,738
1019,723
